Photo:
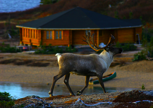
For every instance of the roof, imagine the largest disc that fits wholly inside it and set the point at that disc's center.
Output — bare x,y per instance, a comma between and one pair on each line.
79,18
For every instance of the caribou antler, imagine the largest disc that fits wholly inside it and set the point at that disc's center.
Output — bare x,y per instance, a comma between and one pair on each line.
93,45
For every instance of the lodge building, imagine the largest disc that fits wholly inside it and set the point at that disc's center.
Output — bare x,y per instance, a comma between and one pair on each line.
68,28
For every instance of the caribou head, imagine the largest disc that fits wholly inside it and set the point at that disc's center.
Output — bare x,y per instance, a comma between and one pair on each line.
108,48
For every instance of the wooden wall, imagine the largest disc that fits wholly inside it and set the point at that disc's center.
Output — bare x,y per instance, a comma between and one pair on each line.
56,42
129,35
75,37
126,35
138,31
104,35
78,37
70,37
31,36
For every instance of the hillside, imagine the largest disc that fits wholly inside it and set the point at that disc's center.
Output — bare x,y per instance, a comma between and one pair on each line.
122,9
114,8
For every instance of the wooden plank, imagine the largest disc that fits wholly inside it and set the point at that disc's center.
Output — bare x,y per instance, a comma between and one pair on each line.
70,37
77,37
97,37
138,30
126,35
105,36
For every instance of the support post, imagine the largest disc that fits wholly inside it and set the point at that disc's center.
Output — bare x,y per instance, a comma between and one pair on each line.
97,37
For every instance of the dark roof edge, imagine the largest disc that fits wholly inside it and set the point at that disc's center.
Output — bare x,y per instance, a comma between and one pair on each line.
79,28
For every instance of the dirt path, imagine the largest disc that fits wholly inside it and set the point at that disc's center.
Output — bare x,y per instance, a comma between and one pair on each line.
128,76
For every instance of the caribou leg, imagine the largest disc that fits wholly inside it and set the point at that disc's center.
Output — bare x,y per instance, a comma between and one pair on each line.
66,81
54,81
101,83
86,85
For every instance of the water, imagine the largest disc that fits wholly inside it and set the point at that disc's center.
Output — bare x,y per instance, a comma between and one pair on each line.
17,5
18,90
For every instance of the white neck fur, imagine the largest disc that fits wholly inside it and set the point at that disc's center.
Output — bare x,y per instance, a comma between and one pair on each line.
107,56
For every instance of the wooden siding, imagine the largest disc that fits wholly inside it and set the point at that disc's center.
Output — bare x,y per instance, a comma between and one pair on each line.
105,34
97,35
126,35
70,37
78,37
75,37
20,30
30,36
138,30
56,42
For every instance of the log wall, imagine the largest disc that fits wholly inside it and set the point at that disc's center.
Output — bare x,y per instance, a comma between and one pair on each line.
105,34
31,36
78,37
56,42
75,37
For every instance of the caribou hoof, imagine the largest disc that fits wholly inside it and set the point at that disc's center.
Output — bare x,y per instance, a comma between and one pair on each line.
50,94
79,93
72,94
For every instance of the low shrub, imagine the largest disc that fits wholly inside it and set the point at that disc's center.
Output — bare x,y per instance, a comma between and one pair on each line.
148,49
70,49
126,46
7,49
6,100
139,56
43,2
143,87
53,50
146,36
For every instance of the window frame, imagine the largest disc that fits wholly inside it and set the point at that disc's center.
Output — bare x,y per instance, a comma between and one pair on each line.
50,35
58,34
47,34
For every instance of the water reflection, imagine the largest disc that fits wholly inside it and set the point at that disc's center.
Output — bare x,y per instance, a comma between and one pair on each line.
18,90
17,5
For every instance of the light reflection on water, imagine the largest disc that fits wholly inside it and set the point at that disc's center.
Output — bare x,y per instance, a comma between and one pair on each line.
22,90
17,5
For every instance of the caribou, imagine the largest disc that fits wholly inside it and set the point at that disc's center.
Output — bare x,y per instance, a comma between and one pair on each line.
86,65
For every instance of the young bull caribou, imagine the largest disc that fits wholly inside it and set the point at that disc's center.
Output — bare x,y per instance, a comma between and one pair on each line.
87,65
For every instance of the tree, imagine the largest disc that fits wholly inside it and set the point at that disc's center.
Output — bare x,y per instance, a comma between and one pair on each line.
116,15
48,1
130,15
